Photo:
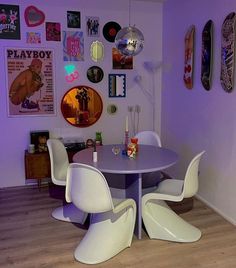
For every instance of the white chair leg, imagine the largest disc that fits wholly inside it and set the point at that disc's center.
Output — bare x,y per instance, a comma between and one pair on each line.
163,223
69,213
108,234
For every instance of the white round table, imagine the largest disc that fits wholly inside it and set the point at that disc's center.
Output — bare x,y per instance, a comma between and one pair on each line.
148,159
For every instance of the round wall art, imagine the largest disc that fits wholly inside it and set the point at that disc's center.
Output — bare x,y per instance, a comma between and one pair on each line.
95,74
110,30
81,106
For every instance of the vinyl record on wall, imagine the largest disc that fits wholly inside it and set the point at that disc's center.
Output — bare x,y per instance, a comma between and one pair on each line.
110,30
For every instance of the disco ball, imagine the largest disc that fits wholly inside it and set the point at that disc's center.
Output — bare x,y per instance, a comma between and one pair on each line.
129,41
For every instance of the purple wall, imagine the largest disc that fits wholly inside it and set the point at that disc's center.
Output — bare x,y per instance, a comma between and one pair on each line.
196,120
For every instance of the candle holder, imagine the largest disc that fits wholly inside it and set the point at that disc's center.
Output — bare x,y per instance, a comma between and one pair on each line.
126,140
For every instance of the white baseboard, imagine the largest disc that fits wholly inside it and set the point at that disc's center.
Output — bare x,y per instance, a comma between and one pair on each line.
216,210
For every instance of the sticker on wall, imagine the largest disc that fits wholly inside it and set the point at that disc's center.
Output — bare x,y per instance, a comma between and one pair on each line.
9,22
228,52
53,31
30,81
120,61
71,73
92,26
189,57
73,19
33,16
117,85
206,66
33,38
110,30
73,46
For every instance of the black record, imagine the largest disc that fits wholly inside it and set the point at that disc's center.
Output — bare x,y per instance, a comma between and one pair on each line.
110,30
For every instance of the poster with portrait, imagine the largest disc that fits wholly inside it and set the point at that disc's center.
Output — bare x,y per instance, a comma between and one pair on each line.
73,46
30,81
9,22
92,26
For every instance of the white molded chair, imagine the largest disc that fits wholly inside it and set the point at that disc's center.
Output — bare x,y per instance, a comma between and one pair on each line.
160,220
148,137
112,220
59,164
150,180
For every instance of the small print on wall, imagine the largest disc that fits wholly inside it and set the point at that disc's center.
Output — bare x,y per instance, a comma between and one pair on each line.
92,26
53,31
120,61
73,46
9,22
30,81
33,38
73,19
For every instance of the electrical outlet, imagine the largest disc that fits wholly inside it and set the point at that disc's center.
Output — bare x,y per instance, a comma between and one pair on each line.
137,108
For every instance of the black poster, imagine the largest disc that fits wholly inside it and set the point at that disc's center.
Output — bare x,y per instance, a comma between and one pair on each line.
9,22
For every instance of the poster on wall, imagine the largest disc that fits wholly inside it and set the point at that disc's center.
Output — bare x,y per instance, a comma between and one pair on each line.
92,26
33,38
30,81
9,22
73,19
73,46
120,61
53,31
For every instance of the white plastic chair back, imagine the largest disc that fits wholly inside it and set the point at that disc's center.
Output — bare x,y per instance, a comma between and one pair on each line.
58,160
87,188
190,187
148,138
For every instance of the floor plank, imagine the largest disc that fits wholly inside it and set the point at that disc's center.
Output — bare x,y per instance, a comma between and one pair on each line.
30,237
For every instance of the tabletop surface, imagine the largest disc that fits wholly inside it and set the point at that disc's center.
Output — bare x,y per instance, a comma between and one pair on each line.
149,158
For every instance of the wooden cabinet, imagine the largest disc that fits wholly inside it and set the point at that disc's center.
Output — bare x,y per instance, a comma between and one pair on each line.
37,165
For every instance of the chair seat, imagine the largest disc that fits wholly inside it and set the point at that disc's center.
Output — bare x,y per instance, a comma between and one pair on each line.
170,187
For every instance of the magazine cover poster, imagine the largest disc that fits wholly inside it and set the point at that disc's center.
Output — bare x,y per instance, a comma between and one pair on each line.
30,82
9,22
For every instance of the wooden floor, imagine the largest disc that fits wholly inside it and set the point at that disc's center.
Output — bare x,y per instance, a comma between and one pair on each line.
30,237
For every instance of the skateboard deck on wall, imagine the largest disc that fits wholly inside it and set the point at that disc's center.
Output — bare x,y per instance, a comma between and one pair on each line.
227,52
189,57
206,66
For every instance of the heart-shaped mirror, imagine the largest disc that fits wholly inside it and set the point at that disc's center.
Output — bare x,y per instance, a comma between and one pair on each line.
33,16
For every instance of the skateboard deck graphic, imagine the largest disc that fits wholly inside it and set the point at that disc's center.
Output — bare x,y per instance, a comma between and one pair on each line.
227,52
188,57
206,65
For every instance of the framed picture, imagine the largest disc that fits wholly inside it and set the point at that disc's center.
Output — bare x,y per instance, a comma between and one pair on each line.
120,61
92,26
39,139
117,85
73,19
30,81
9,22
53,31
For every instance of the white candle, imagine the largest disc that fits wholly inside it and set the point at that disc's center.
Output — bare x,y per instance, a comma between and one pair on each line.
126,124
